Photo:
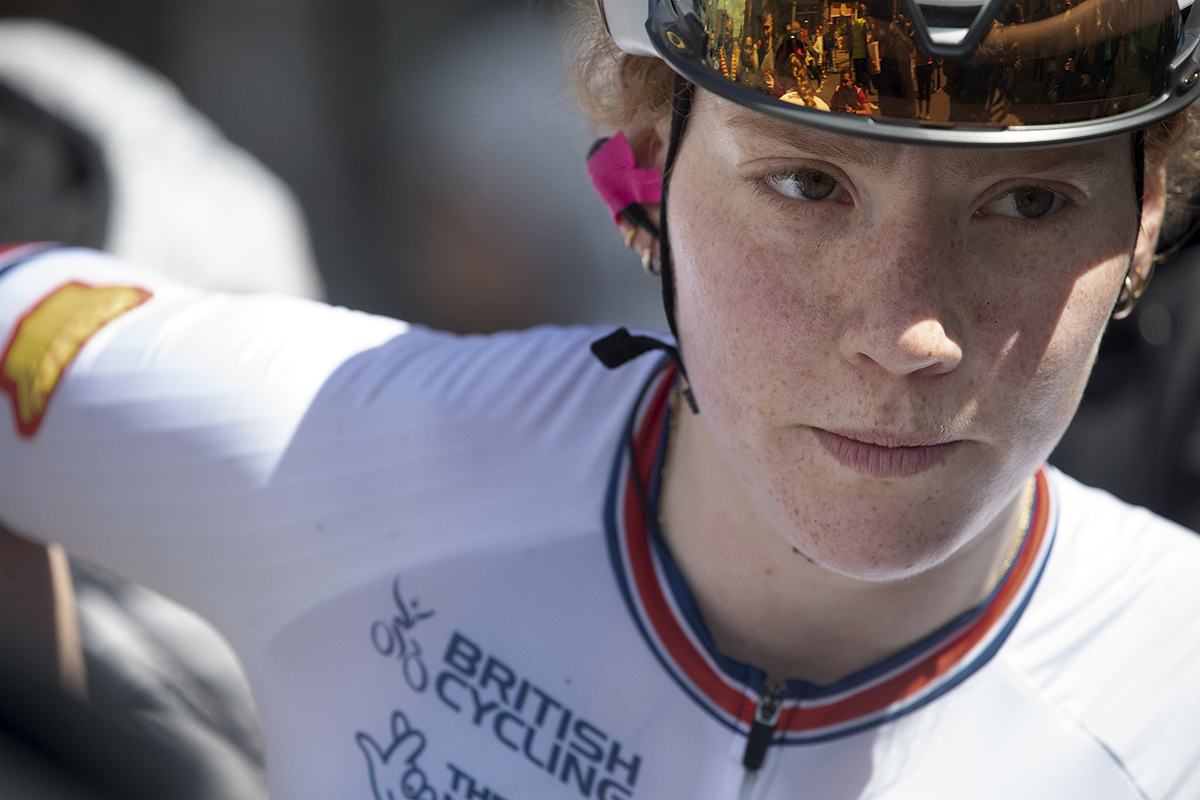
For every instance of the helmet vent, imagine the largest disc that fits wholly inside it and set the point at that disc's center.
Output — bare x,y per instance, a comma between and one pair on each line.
956,17
949,24
952,28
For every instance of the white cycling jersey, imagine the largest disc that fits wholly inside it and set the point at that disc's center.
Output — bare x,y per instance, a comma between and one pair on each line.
435,558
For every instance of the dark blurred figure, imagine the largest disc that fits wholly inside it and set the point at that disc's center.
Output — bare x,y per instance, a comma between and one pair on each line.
790,45
848,97
97,150
767,43
125,689
895,82
923,71
860,37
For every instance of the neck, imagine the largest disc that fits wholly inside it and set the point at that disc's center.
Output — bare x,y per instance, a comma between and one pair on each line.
768,606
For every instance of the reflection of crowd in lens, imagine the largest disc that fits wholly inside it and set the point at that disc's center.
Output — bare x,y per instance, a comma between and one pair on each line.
1040,61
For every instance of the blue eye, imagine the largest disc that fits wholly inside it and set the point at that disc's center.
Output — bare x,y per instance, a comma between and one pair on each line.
808,184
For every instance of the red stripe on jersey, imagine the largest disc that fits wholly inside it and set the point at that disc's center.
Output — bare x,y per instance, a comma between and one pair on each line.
648,588
907,681
948,654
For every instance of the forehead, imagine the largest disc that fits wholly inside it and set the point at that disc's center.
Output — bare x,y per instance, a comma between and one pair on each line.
1093,162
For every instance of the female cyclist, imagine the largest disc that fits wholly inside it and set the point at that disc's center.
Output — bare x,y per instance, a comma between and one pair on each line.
810,551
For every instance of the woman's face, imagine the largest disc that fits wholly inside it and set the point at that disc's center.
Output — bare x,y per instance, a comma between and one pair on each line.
886,341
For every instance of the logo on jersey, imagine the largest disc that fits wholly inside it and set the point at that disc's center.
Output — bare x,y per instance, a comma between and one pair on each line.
395,769
522,718
525,719
49,337
393,766
393,638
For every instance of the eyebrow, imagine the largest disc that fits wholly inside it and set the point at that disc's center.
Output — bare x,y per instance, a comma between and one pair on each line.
840,149
868,153
1078,159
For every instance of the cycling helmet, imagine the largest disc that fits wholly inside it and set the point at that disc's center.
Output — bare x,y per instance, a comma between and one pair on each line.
1017,72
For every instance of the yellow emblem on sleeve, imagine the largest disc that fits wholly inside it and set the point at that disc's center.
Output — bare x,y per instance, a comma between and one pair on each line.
49,337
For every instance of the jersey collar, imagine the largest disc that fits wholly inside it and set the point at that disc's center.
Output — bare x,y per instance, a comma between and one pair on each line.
667,616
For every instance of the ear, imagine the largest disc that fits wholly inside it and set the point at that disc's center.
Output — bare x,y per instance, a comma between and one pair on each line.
649,143
1154,203
650,148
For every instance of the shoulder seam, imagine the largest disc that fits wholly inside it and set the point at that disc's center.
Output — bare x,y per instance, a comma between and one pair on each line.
1077,724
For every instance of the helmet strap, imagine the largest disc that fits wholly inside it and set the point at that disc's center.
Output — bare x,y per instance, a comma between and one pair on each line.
681,108
1139,170
622,346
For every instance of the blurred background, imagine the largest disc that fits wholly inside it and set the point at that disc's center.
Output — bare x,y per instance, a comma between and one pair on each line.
433,146
430,166
428,163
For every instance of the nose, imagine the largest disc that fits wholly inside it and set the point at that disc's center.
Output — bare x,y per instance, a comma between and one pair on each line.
900,318
922,347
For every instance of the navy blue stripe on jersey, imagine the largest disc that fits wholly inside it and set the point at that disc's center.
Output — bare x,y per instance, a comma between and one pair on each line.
811,713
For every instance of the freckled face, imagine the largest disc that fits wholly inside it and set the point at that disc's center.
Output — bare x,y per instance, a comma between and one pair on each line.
886,341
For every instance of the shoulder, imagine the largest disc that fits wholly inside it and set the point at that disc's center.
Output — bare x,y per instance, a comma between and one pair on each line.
496,421
292,376
1139,557
1111,638
1129,573
281,342
537,377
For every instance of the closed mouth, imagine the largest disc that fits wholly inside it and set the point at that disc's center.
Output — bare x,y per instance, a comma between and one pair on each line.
881,454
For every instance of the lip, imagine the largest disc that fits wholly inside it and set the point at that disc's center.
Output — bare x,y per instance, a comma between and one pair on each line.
885,455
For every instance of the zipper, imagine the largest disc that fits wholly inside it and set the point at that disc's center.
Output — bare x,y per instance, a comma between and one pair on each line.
762,729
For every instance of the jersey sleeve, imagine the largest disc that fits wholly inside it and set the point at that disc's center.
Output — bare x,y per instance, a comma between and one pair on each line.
142,424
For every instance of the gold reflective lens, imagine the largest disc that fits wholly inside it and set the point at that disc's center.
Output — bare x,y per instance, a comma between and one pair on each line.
1040,62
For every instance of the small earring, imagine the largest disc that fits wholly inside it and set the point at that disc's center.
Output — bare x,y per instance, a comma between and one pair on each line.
1125,300
1131,291
629,237
648,264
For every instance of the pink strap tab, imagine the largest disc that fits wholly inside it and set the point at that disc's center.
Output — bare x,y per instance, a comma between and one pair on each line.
615,174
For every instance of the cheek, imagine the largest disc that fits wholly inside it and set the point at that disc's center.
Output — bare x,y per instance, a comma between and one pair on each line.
731,313
1072,339
1037,334
751,300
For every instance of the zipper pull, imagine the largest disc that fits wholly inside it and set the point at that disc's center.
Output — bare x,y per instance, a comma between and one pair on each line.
762,730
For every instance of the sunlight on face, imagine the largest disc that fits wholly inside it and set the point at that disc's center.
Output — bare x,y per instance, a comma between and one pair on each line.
887,341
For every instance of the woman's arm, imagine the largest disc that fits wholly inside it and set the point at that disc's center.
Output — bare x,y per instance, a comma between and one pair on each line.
143,426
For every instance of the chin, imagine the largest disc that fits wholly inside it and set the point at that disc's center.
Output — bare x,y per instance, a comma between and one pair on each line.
878,567
878,556
879,536
888,530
